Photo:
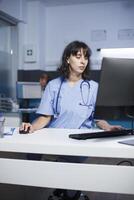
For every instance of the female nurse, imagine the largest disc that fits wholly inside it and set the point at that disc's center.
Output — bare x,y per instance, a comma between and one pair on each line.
69,100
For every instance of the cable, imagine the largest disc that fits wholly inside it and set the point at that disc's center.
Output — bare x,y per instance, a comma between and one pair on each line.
132,122
125,161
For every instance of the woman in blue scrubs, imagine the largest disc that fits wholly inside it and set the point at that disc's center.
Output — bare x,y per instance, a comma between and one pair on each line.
69,101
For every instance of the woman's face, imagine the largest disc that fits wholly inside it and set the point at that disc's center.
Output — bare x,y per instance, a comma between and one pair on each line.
77,63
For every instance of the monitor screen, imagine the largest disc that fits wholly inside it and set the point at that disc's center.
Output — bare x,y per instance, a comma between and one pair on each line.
115,97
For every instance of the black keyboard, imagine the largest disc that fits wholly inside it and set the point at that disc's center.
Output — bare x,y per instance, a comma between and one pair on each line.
103,134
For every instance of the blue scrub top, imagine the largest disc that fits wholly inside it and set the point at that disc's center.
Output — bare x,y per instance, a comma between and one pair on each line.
75,104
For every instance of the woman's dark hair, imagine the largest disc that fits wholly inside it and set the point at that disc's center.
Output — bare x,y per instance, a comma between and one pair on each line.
72,49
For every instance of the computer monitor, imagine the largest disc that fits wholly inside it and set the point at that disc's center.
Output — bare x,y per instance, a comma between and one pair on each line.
115,97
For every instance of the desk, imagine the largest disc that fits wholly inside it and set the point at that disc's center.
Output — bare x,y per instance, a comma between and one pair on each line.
79,176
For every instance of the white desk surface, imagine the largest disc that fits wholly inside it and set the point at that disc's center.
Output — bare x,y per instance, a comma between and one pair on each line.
56,141
88,177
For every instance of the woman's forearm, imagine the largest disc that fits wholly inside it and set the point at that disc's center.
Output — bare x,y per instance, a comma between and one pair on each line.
102,124
41,122
106,126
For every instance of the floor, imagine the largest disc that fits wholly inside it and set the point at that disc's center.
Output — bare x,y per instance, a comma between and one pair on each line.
14,192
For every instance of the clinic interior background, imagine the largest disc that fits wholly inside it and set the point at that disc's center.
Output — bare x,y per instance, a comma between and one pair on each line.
47,26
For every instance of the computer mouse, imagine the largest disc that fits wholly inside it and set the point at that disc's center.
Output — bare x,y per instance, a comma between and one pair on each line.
24,131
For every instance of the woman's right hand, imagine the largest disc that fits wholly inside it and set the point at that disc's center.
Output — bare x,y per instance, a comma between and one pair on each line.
26,127
39,123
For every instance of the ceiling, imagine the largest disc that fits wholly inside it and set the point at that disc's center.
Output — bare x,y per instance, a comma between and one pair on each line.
71,2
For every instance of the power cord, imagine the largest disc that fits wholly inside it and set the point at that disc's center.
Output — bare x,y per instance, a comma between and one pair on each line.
125,161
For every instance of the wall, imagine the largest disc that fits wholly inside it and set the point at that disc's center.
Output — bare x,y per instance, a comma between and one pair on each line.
49,29
68,23
32,35
15,8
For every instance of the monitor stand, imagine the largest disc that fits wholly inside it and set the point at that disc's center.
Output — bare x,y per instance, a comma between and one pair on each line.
127,142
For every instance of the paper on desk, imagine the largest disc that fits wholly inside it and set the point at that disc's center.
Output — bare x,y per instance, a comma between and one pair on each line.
9,130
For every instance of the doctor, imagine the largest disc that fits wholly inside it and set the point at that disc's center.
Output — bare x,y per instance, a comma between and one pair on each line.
69,101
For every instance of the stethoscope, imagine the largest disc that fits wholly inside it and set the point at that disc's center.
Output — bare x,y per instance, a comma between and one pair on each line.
87,84
82,85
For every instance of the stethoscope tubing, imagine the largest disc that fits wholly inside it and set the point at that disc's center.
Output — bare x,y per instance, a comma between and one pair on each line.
82,96
81,89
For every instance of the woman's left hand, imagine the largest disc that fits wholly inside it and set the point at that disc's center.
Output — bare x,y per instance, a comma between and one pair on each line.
108,127
113,128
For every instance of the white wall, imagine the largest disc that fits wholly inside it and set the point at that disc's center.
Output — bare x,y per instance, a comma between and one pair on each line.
32,33
15,8
49,29
68,23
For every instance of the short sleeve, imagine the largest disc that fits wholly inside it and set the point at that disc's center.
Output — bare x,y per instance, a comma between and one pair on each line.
46,104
